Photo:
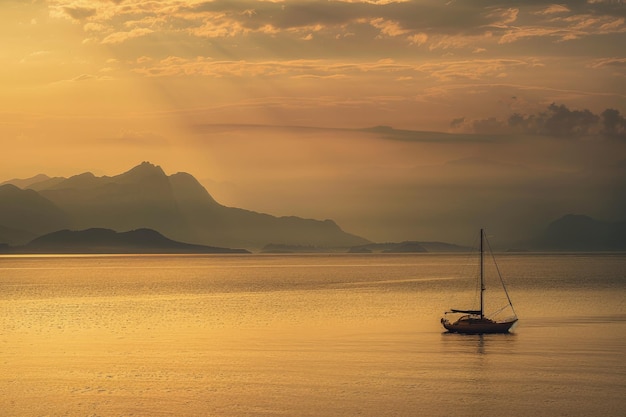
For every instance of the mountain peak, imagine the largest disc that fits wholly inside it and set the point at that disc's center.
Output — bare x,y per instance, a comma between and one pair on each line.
147,167
79,181
141,171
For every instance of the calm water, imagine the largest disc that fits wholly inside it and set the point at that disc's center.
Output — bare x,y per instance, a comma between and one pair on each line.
316,335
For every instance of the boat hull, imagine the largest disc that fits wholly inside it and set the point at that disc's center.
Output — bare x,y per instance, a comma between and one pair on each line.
477,326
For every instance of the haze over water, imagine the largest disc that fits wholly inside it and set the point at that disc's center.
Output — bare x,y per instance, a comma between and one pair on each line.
314,335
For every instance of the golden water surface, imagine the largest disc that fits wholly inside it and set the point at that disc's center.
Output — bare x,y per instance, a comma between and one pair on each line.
316,335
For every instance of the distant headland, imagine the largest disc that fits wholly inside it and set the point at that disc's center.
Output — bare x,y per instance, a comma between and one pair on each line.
107,241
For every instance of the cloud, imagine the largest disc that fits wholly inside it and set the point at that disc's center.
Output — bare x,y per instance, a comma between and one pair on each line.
304,28
456,123
36,56
556,120
553,9
474,69
388,27
84,77
489,126
94,27
79,13
297,68
617,64
219,25
418,39
503,17
120,37
613,123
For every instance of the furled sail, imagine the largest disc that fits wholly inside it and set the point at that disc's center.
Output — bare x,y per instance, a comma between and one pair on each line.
453,310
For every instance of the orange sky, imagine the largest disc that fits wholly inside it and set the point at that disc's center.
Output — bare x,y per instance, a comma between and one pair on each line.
101,85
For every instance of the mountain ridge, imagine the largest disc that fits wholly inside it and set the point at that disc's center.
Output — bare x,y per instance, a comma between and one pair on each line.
177,206
25,213
578,232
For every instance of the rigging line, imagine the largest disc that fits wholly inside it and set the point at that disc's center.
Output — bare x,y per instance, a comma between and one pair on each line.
495,313
500,276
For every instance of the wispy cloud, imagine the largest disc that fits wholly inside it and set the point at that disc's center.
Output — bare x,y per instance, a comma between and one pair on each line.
472,69
175,65
119,37
618,65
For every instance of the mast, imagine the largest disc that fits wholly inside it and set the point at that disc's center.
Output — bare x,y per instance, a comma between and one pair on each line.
482,284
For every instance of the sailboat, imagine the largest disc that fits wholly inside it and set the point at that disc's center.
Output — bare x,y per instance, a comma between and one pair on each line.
475,321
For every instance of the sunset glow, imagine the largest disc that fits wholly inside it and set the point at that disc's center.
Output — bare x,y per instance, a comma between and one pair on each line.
313,208
263,101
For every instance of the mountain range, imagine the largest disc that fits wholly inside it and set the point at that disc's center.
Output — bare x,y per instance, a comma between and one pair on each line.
181,209
177,206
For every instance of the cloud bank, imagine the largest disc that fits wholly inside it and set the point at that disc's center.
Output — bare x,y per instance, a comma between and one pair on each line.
556,120
428,24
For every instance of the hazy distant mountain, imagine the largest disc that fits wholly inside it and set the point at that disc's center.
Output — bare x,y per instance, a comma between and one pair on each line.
280,248
109,241
25,214
408,247
581,233
177,206
25,182
139,198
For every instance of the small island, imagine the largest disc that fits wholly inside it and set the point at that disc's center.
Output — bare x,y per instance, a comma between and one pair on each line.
107,241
